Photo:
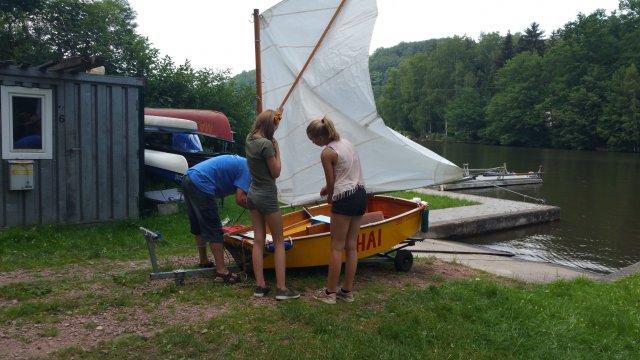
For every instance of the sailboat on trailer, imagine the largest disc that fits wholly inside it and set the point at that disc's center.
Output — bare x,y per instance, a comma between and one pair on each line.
312,59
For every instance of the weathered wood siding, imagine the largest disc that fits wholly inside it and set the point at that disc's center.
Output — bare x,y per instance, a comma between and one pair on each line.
95,171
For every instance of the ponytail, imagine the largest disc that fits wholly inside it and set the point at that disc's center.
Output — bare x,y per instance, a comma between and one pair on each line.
323,127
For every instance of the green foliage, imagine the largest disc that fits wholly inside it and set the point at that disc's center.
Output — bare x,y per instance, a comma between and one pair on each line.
435,201
622,113
384,60
40,31
560,91
532,40
465,115
512,114
182,86
564,91
415,96
507,50
246,78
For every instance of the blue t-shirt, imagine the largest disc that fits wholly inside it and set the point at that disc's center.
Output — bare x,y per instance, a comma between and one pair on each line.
221,175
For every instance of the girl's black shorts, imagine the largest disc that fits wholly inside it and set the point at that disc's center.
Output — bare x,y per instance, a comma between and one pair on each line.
352,205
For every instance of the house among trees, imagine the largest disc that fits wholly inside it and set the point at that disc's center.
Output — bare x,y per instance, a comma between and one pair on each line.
71,144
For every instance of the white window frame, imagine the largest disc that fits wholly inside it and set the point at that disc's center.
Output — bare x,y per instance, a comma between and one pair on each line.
7,93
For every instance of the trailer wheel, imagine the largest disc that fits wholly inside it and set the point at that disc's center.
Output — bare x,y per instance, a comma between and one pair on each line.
403,260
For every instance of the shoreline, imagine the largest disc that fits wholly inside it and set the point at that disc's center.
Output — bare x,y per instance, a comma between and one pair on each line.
492,215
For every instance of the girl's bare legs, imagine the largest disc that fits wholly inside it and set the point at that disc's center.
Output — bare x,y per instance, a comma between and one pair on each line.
351,248
274,220
339,231
259,234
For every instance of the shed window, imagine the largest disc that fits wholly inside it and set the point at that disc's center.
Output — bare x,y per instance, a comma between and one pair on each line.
27,121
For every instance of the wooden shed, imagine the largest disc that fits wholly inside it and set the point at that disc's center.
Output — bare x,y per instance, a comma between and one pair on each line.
71,145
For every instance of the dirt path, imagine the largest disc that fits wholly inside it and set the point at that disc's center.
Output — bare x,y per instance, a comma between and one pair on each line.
22,339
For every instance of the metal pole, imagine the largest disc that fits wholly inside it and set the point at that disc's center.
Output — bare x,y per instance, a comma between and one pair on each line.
151,237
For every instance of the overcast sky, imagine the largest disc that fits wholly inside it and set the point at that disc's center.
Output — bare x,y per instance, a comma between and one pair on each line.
218,34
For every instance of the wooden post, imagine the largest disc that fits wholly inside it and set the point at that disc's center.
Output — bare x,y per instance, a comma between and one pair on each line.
256,34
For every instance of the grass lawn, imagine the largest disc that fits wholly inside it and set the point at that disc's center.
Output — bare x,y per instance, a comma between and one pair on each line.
84,292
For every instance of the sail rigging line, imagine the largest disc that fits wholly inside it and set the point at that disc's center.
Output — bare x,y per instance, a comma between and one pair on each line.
324,33
256,34
538,200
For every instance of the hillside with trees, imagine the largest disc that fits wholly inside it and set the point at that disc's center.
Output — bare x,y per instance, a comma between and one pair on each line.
575,88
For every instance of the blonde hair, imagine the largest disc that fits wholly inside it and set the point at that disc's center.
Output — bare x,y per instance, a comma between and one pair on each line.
324,127
265,123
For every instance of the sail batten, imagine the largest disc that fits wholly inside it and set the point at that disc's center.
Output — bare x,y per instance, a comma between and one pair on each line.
335,83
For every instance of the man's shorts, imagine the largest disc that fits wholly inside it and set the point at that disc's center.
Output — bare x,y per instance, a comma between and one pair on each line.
203,213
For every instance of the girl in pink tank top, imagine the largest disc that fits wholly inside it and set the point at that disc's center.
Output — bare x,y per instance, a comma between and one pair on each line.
346,193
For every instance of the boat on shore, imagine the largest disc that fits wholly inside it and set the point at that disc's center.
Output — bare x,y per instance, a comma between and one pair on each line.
387,222
172,145
212,125
306,37
167,166
492,177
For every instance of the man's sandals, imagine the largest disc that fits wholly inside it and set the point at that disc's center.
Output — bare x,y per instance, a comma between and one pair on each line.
229,278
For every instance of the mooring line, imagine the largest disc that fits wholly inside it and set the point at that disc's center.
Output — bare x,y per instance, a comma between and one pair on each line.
540,201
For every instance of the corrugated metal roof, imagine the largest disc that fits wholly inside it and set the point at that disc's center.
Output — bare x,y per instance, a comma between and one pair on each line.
73,64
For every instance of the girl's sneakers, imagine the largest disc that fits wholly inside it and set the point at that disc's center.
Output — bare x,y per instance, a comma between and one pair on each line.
261,291
344,296
324,297
286,294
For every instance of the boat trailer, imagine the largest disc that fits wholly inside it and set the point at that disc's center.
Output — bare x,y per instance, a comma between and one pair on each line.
179,275
402,259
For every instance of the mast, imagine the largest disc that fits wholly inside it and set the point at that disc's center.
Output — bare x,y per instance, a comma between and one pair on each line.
256,34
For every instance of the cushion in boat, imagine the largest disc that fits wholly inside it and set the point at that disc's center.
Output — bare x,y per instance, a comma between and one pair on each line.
372,217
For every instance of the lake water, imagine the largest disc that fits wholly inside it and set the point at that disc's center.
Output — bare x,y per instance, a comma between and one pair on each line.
599,197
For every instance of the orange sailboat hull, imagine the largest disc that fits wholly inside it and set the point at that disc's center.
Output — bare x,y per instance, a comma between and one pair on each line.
388,222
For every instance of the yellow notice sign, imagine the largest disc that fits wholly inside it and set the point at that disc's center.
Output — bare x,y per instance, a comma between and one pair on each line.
21,174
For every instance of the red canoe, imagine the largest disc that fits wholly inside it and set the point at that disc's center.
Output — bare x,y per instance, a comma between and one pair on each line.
210,122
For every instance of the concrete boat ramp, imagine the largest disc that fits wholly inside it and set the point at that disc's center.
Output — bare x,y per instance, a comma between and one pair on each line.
491,215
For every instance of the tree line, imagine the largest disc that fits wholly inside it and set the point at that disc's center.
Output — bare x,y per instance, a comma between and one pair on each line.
577,88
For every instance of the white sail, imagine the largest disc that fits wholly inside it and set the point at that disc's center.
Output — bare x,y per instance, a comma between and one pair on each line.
336,83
